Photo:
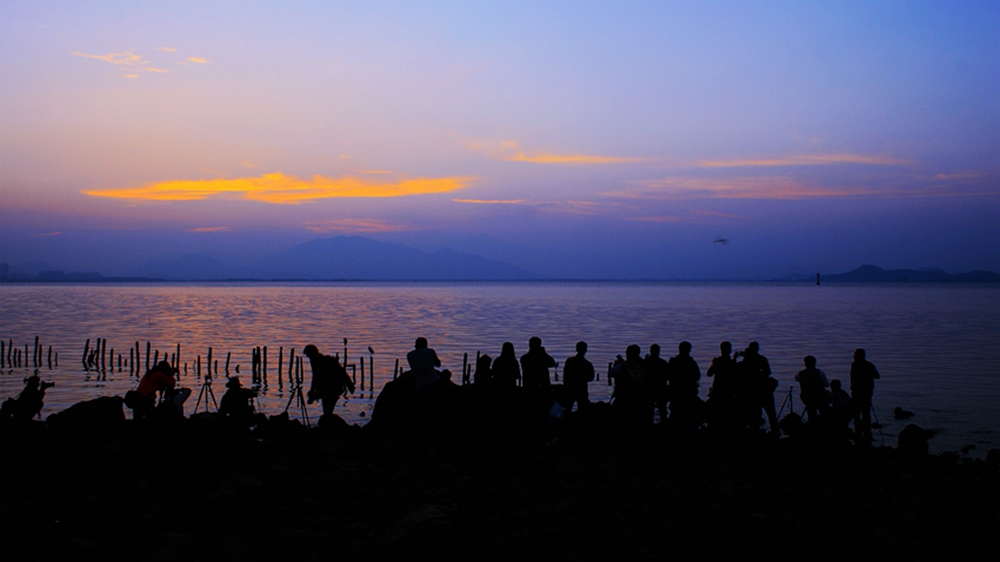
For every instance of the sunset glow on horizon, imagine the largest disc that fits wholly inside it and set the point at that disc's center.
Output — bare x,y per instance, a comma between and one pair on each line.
815,137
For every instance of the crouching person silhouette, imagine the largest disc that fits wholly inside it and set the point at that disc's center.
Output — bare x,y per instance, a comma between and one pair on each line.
29,403
328,381
142,400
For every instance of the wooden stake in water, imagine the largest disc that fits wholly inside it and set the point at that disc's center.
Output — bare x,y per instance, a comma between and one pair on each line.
3,354
148,353
395,369
281,359
209,365
362,361
86,352
228,355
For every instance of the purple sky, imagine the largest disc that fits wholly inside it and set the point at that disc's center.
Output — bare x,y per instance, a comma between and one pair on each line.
573,139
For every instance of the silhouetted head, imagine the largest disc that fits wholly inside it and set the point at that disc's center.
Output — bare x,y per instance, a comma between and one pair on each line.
654,350
726,348
32,382
754,347
234,382
534,343
483,362
507,348
835,384
310,351
420,343
684,348
859,354
632,352
165,368
581,348
810,361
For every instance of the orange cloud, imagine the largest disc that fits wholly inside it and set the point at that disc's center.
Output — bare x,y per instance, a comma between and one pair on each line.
354,226
202,229
511,152
278,188
807,160
49,233
167,49
198,60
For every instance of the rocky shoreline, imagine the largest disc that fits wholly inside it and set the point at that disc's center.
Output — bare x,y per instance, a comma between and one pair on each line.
567,491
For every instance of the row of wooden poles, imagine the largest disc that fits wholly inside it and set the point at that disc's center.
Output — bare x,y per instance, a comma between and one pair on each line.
11,356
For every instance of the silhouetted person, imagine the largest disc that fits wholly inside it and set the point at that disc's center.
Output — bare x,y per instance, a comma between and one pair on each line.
237,403
657,376
158,379
863,377
630,397
577,373
506,370
840,400
723,411
812,388
29,402
757,387
484,373
535,365
684,376
423,363
329,379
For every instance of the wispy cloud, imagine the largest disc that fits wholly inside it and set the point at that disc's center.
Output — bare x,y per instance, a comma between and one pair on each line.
198,60
248,164
57,233
167,49
771,187
697,216
493,201
203,229
281,189
354,226
807,160
511,152
131,62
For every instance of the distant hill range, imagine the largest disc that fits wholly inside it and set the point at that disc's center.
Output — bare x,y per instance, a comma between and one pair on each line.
341,258
875,274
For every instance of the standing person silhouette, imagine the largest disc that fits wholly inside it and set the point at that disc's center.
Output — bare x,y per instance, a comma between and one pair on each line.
506,371
328,381
813,389
684,376
657,375
863,377
755,373
576,374
535,365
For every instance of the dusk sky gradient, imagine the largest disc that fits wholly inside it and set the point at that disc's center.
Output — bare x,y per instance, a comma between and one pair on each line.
576,139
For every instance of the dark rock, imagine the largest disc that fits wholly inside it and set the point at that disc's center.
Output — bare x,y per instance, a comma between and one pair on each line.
103,412
913,440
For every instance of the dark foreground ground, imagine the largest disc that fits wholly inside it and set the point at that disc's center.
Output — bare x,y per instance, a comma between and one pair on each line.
191,493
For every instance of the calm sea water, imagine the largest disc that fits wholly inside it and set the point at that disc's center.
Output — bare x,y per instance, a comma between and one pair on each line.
935,345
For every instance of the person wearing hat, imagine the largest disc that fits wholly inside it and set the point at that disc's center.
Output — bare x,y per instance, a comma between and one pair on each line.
237,402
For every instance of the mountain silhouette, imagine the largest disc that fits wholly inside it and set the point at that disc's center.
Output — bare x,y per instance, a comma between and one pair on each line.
875,274
359,258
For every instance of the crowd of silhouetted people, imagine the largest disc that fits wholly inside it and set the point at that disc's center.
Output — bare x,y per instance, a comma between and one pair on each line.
648,390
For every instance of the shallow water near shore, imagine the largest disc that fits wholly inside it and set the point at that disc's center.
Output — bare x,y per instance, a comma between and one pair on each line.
933,344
